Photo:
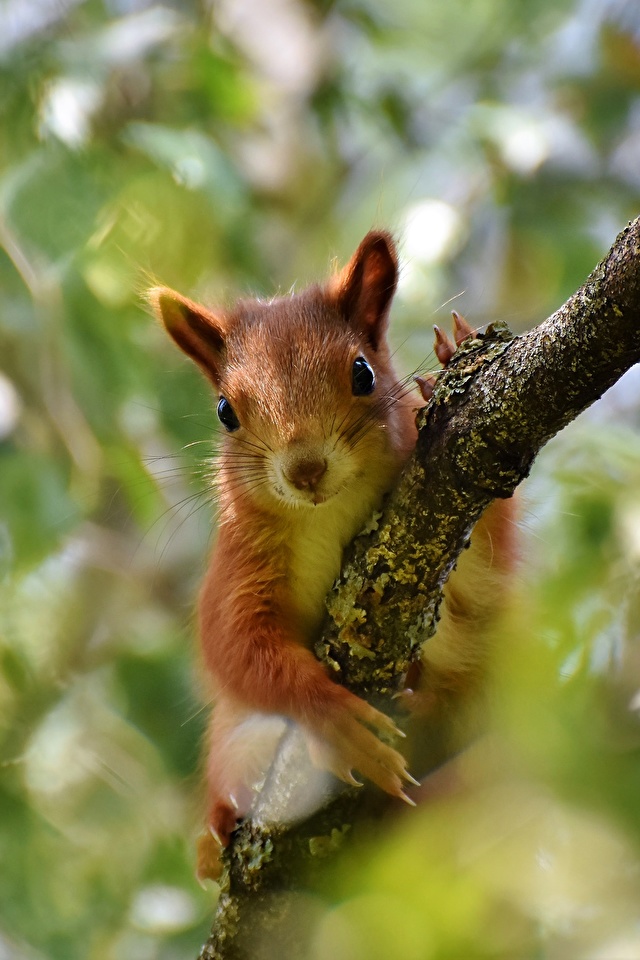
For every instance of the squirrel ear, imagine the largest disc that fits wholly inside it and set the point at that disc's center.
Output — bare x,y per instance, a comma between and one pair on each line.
196,330
365,287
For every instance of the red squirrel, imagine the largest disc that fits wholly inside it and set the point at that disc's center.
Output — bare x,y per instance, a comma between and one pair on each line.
317,428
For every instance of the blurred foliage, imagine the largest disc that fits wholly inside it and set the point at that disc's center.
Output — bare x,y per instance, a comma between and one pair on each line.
225,147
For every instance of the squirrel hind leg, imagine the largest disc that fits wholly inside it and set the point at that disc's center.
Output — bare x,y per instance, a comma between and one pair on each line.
241,747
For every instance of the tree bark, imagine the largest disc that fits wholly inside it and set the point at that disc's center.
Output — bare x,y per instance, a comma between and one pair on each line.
497,403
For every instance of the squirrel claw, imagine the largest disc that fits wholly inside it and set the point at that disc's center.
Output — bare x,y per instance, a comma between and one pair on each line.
399,694
426,386
461,328
402,796
407,776
444,347
216,836
351,780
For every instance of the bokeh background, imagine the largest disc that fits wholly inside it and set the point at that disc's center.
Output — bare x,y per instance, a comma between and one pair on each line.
236,146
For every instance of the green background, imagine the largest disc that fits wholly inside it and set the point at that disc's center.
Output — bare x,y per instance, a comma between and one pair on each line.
237,147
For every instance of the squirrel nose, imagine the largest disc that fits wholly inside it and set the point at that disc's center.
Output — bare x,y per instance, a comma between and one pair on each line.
306,474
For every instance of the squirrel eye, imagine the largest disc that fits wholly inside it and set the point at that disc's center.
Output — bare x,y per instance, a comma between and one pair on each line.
227,415
363,379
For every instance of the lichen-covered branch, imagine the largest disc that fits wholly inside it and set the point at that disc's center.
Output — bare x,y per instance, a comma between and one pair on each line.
495,406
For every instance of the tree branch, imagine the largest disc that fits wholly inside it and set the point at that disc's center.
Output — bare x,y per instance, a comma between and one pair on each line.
495,406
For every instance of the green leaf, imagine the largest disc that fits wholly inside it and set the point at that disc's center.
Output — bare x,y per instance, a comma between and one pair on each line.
37,510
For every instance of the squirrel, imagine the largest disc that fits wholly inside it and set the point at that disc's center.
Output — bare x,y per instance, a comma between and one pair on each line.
317,429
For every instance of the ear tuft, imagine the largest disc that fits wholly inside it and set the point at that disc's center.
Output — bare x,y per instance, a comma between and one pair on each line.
196,330
365,287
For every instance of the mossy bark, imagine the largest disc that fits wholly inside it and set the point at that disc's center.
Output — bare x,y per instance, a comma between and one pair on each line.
499,401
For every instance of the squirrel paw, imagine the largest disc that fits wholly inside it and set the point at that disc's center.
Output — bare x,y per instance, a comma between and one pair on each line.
222,821
208,857
445,348
345,745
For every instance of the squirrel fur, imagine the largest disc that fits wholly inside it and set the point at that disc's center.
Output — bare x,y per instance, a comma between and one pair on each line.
317,428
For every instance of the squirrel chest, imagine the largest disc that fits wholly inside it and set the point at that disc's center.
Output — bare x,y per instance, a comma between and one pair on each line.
316,539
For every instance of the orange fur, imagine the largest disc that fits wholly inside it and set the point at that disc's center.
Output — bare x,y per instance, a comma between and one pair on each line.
308,458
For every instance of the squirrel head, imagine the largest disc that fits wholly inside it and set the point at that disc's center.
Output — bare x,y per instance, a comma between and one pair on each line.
306,391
